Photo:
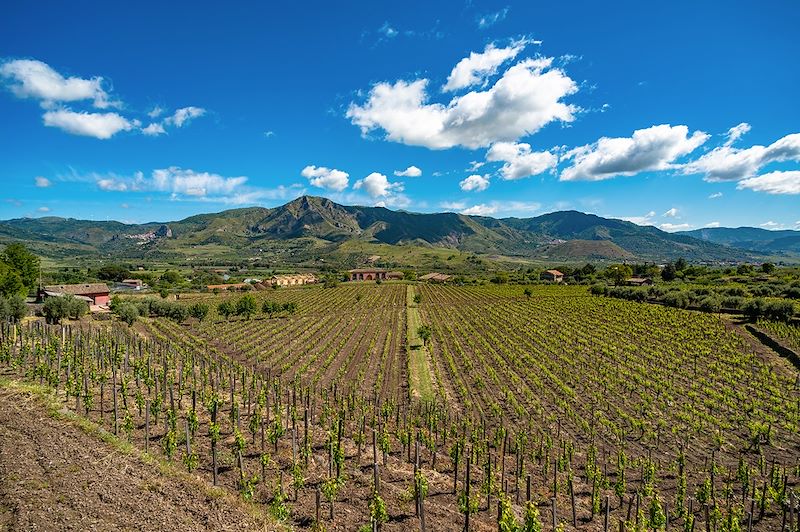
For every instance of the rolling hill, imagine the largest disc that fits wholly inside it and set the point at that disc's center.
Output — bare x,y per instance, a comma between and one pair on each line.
314,224
752,238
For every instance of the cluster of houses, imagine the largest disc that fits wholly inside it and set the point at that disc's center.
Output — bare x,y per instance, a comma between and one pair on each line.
555,276
292,279
379,274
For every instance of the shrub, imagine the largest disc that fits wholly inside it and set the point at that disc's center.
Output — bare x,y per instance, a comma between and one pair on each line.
779,310
598,289
754,308
732,302
710,304
678,299
127,312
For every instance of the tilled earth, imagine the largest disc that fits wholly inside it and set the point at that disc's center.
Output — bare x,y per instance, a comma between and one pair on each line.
55,476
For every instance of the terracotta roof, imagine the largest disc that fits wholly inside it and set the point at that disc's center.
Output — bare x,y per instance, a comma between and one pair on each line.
366,270
554,272
78,289
435,276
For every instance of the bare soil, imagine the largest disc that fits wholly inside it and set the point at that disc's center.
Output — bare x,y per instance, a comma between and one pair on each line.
56,476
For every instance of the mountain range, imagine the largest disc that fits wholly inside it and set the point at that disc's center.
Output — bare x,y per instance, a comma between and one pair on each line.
314,226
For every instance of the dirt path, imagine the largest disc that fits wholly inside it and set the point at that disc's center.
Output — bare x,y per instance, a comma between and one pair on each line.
56,476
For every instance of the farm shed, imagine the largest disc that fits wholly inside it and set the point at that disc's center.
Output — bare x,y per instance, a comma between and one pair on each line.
639,281
436,277
553,276
93,293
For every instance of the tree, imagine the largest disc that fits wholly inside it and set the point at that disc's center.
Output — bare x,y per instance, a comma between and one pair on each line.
199,311
10,281
171,277
668,272
246,306
127,312
588,269
113,272
768,268
226,309
424,332
13,309
417,298
270,308
56,309
618,273
680,264
290,307
23,262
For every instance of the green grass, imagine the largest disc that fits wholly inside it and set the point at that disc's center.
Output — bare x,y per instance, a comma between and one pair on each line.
420,379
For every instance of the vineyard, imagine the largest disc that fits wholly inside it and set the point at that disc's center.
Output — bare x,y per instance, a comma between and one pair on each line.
536,410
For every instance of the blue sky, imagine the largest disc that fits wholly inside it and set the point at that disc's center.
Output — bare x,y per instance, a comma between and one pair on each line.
680,114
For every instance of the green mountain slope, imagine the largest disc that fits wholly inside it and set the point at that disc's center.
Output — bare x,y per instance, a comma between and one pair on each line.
751,238
312,225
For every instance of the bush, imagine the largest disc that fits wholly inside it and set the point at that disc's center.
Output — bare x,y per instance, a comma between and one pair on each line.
598,289
779,310
754,308
56,309
732,302
199,311
677,299
710,304
127,312
13,308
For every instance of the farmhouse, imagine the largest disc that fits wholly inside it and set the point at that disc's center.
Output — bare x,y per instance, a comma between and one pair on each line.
96,294
368,274
395,276
639,281
553,276
436,277
296,279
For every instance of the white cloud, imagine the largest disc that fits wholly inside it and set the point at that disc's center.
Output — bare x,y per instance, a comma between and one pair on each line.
527,97
28,78
411,171
155,112
654,148
787,182
184,115
771,225
269,134
387,30
505,208
481,209
492,18
478,67
153,130
647,219
726,163
43,209
674,227
190,185
453,205
475,165
519,160
736,132
327,178
377,185
97,125
475,182
715,195
712,224
42,182
672,213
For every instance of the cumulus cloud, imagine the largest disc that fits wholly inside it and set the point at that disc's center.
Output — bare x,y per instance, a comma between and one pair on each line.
377,185
654,148
672,213
97,125
187,184
712,224
327,178
491,19
519,160
453,205
153,130
787,182
505,208
736,132
670,228
184,115
411,171
42,182
527,97
726,163
43,209
647,219
715,195
475,182
28,78
478,67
